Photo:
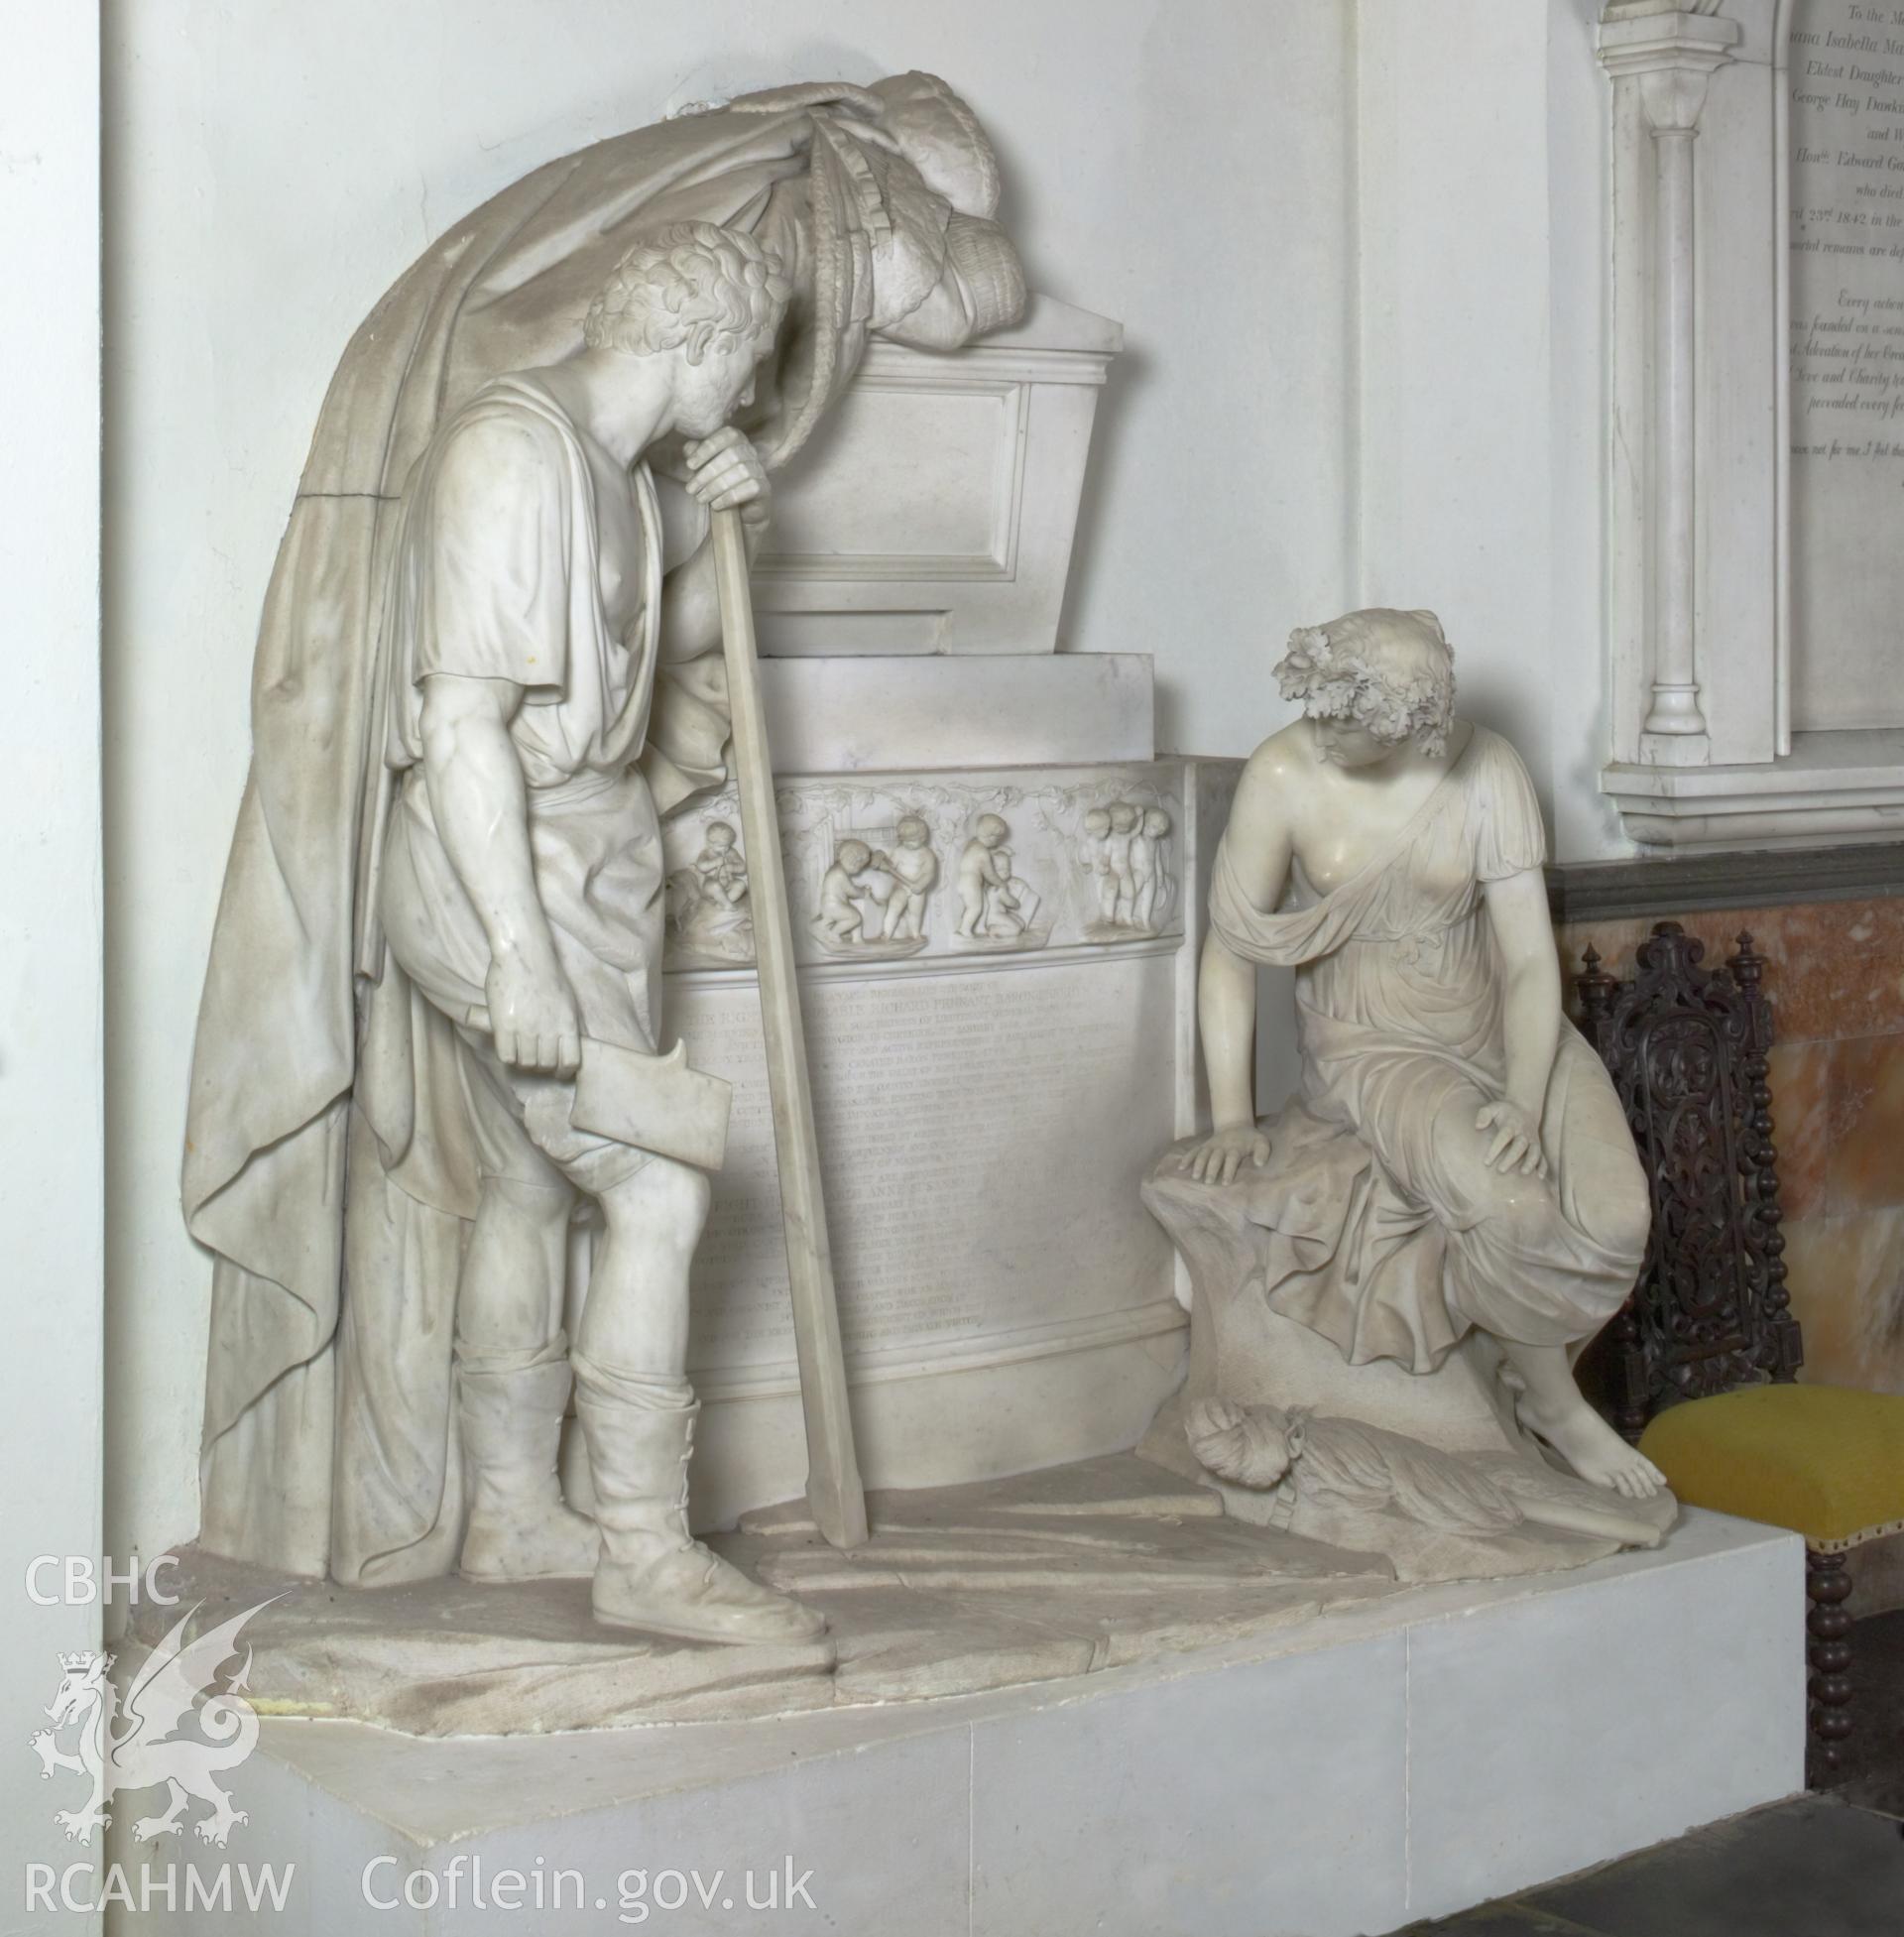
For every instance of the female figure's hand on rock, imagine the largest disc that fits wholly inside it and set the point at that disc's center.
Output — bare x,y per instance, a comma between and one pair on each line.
1219,1158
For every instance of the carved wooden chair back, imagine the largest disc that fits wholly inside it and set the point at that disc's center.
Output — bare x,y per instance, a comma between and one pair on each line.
1687,1047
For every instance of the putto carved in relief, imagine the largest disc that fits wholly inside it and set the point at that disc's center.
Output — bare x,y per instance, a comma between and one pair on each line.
997,905
707,915
916,868
841,917
719,864
1151,869
1123,855
864,903
1011,904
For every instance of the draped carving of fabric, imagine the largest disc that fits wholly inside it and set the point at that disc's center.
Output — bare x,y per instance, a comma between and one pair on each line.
325,1447
1383,1241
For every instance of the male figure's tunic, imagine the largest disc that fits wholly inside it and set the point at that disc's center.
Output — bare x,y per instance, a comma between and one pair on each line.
496,577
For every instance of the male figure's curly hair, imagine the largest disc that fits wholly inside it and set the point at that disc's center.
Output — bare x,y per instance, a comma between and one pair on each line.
688,285
1391,672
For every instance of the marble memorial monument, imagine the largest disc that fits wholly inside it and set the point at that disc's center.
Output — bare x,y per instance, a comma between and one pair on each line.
506,1414
531,861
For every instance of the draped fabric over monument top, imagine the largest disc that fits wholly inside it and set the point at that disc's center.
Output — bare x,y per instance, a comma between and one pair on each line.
315,1459
1384,1244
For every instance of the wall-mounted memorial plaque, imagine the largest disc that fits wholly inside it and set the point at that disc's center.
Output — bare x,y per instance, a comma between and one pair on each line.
1847,64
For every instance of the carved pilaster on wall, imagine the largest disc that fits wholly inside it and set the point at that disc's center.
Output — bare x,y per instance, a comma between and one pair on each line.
1660,63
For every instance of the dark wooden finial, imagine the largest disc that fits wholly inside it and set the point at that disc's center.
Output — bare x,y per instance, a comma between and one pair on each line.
1595,986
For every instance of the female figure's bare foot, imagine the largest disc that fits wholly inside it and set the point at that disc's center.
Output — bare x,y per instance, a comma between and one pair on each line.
1590,1446
1550,1404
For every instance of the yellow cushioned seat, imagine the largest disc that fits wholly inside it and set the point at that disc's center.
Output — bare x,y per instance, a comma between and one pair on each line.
1826,1461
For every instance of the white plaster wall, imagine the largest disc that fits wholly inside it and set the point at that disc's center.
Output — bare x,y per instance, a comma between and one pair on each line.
1481,216
273,165
51,1117
1585,825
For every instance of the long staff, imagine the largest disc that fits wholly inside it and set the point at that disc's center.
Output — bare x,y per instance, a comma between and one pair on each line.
833,1488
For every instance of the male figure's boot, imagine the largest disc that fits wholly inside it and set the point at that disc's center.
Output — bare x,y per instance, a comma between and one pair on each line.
520,1527
654,1574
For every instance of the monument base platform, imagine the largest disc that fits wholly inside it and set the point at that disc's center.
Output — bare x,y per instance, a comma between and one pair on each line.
1040,1577
1402,1756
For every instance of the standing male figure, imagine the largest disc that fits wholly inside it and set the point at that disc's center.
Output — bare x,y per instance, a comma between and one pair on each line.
331,1161
522,893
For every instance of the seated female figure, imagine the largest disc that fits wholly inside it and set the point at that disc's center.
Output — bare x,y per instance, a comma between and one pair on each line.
1477,1170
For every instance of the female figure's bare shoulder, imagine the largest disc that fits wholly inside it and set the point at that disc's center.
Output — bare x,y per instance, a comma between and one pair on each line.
1278,774
1288,754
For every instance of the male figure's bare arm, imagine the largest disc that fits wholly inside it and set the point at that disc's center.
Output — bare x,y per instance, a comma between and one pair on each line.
1257,841
480,802
1530,1021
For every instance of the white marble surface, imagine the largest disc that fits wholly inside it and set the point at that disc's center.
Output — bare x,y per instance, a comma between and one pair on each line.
1009,1408
983,1129
1497,1804
1833,787
1453,1173
1783,653
1661,63
1358,1787
987,1106
875,551
1035,710
1271,1796
1043,1577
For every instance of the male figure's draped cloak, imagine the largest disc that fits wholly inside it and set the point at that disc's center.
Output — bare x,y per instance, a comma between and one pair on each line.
324,1448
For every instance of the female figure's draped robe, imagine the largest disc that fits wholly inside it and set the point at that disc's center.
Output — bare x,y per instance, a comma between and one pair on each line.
1389,1239
310,1464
